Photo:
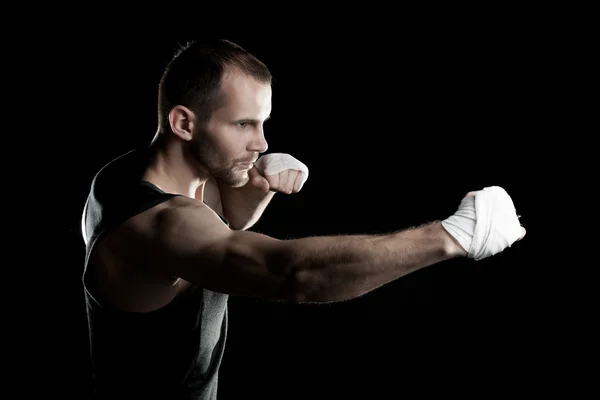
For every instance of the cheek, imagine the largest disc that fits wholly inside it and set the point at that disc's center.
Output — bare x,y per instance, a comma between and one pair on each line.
227,139
231,140
218,135
231,145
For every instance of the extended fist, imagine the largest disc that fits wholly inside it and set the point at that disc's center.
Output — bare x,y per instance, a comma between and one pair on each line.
278,172
486,223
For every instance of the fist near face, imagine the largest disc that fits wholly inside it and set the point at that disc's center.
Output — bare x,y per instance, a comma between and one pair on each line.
278,172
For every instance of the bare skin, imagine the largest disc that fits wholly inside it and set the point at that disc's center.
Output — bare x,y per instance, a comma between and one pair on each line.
182,243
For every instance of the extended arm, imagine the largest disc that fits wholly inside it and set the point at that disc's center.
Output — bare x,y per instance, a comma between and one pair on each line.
312,269
192,243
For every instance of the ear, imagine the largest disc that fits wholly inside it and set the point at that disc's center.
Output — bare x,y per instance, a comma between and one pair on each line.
182,121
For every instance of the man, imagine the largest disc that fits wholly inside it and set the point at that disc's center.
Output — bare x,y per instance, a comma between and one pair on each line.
167,240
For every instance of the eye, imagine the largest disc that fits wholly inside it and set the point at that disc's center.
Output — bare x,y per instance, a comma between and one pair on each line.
243,124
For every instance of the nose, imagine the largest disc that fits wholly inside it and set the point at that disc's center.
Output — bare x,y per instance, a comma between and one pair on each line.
259,143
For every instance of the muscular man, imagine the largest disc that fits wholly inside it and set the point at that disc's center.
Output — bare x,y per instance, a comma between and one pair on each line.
167,240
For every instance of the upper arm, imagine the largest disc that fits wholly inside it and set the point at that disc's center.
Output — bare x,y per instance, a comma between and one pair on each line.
189,241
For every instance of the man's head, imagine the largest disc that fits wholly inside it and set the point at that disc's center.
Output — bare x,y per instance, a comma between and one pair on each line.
214,98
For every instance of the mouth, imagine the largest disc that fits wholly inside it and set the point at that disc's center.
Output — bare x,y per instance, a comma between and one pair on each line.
246,166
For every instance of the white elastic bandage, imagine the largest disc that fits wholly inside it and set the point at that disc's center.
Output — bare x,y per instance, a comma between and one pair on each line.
485,224
272,164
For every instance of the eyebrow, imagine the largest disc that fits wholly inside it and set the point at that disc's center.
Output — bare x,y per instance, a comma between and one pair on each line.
254,120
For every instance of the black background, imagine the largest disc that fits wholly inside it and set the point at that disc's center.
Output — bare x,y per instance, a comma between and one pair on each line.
394,136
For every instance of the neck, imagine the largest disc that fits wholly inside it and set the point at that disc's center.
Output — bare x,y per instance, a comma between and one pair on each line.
170,169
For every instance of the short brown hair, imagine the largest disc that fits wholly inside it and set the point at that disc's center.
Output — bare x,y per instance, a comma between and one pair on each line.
193,76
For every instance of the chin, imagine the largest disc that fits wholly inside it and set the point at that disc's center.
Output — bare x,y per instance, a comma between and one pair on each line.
236,180
242,181
239,184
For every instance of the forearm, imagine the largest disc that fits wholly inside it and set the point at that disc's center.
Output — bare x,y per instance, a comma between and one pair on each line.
328,269
244,206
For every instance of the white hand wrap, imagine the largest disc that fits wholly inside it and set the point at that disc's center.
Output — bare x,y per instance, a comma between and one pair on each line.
485,224
272,164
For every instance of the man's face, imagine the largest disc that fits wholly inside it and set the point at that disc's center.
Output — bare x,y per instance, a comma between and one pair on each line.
228,144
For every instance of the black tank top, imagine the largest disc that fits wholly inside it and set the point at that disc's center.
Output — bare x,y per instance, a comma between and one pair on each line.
171,353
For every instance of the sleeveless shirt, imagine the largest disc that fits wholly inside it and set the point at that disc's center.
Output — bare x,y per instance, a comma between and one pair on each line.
171,353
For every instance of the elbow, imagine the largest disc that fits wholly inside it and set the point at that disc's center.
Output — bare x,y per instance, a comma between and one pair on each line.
300,284
240,224
292,286
235,224
297,281
238,227
304,283
306,289
311,287
289,281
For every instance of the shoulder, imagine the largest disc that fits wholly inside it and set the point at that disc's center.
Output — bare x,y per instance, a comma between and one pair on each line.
145,255
162,231
170,220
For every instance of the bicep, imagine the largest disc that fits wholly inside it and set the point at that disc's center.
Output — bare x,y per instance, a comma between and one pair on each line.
196,246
